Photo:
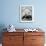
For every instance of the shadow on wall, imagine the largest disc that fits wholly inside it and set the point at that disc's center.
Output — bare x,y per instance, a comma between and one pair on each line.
2,26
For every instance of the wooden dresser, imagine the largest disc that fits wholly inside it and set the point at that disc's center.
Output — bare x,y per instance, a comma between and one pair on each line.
23,38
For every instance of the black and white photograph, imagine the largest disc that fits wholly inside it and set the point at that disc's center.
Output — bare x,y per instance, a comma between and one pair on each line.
26,13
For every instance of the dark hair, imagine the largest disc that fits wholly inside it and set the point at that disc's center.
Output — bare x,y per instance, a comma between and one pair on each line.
28,17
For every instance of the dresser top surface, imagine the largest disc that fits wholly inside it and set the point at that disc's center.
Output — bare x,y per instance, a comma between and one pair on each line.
22,30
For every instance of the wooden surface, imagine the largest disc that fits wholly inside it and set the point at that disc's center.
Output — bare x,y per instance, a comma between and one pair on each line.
34,39
13,39
21,38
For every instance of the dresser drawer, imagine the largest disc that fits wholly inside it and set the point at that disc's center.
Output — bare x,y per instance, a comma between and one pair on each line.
37,44
37,39
34,33
13,33
13,44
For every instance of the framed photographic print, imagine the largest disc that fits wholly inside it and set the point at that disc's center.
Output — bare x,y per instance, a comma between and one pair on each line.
26,13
